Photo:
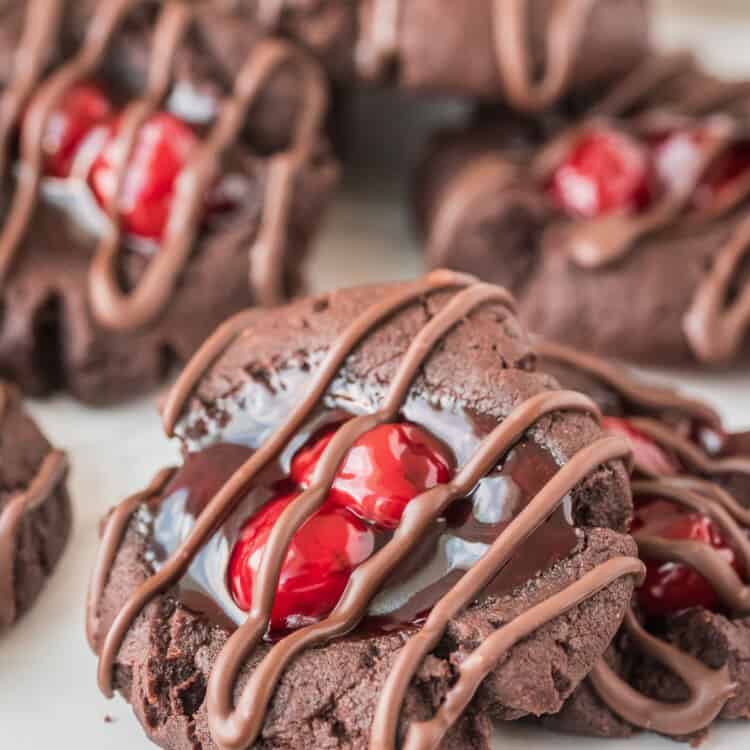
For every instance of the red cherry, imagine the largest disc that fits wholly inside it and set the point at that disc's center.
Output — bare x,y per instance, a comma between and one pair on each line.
646,452
320,559
384,470
159,155
606,170
671,586
82,108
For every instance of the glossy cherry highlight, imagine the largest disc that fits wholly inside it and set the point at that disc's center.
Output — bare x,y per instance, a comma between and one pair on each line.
319,562
385,469
159,155
671,587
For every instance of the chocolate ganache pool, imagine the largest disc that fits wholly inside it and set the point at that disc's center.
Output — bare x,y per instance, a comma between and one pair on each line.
455,543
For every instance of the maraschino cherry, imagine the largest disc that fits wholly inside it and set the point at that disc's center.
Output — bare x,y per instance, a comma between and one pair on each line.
646,452
606,170
83,108
671,587
159,155
384,470
320,559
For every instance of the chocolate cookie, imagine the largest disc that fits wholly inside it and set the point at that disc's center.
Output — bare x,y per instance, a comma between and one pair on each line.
35,513
151,188
621,223
440,523
528,53
681,660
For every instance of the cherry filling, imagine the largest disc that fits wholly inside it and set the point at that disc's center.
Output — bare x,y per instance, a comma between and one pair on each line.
384,470
158,157
83,107
670,587
321,557
605,171
608,170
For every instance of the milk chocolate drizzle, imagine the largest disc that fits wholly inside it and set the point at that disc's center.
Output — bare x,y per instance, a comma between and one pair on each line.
237,725
694,458
30,59
50,474
379,44
652,402
125,311
565,29
647,398
113,533
709,688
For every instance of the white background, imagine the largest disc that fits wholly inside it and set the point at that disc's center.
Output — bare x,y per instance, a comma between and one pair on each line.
48,694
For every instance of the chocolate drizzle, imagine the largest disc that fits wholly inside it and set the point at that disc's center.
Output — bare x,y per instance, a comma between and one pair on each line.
112,535
238,724
650,404
378,43
111,306
49,476
646,398
30,59
378,46
704,559
714,327
565,28
694,458
709,688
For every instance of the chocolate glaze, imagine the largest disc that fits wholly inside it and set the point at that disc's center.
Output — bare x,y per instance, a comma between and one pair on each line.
668,413
237,723
111,306
49,476
717,321
452,543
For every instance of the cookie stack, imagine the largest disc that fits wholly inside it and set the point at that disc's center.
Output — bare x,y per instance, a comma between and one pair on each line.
399,515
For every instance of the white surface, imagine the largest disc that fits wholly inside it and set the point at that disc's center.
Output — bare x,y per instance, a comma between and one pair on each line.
48,694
